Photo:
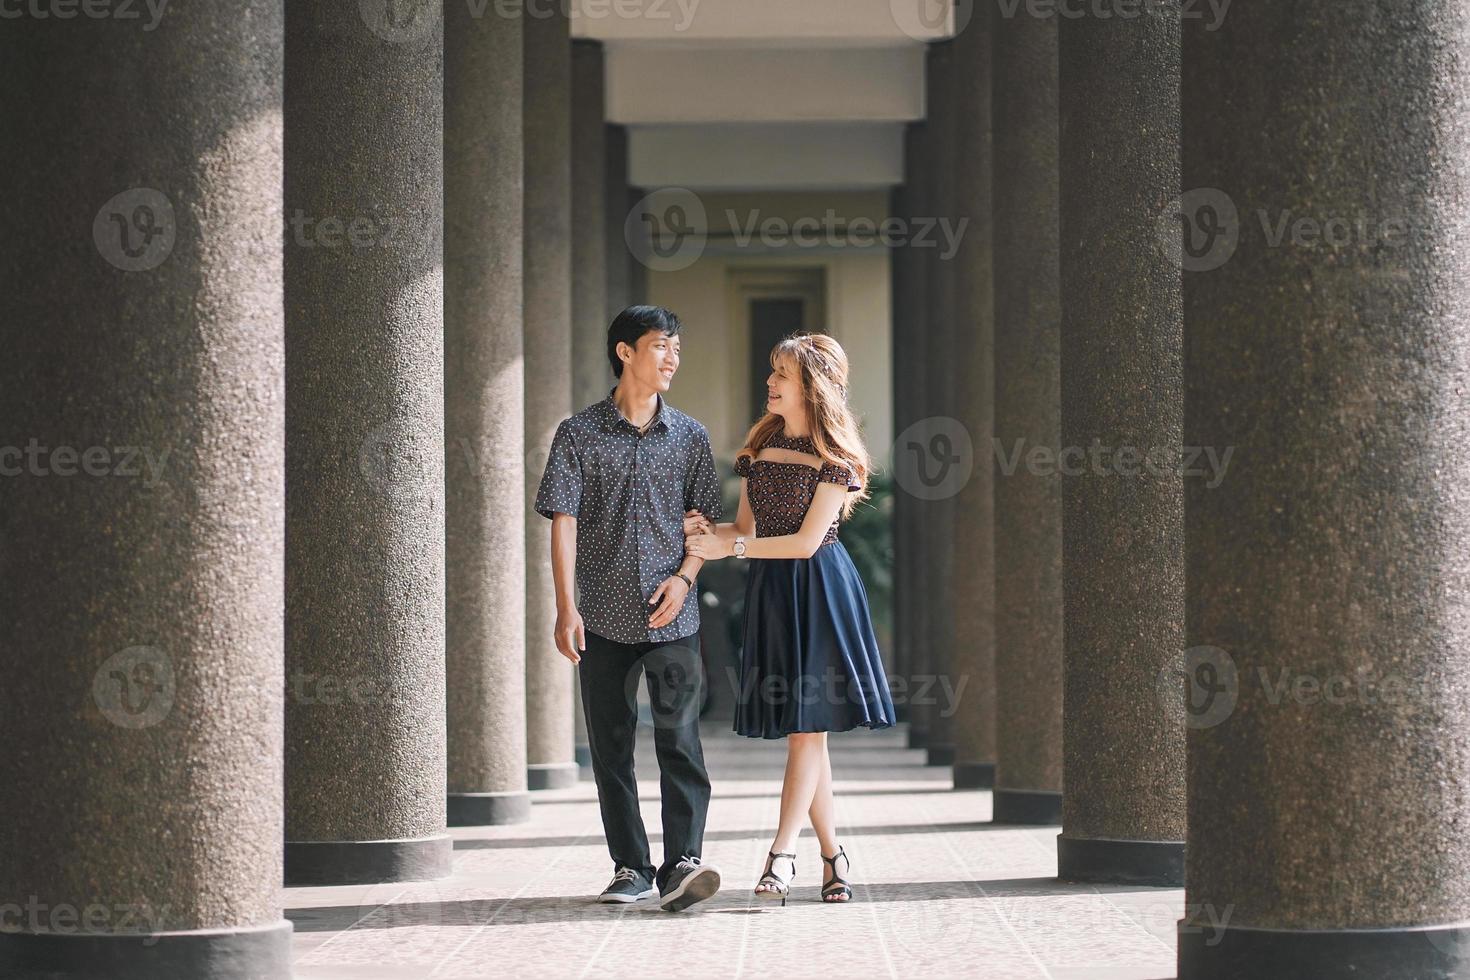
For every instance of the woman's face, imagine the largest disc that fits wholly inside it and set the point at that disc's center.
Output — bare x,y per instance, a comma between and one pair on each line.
783,388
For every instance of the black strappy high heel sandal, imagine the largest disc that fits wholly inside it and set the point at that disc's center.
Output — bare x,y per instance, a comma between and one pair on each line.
777,887
837,885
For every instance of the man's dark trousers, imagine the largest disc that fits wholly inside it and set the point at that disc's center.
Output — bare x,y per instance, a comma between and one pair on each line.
609,671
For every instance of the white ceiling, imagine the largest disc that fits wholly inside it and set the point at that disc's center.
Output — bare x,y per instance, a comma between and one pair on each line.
764,94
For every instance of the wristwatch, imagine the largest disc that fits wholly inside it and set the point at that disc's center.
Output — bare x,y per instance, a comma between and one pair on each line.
740,547
687,580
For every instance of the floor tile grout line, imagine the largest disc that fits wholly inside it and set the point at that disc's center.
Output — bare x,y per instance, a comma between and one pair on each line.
338,934
1123,912
954,853
565,849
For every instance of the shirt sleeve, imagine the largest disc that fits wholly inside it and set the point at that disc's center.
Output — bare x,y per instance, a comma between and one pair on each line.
702,491
561,485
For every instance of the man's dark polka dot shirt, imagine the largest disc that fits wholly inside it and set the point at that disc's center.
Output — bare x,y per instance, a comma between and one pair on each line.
629,493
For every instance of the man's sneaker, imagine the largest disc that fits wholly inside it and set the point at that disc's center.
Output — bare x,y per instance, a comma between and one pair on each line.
627,885
689,882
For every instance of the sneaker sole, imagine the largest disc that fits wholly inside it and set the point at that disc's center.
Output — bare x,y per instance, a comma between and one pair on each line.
697,887
616,899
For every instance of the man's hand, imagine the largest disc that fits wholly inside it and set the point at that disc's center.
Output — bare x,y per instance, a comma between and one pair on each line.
696,523
670,598
571,635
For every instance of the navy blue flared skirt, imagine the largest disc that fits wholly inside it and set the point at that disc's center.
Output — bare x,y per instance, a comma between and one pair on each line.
810,660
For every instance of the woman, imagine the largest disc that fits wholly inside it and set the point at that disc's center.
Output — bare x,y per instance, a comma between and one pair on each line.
810,663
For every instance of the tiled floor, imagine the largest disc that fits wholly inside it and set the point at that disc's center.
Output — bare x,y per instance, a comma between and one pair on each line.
940,892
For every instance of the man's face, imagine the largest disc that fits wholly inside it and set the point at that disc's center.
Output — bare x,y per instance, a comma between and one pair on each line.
654,360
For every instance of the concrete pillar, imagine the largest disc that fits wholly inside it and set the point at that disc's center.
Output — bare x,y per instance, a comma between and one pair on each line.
365,756
1028,490
591,373
637,271
548,346
484,408
615,198
1123,391
141,496
974,391
941,590
1327,611
910,544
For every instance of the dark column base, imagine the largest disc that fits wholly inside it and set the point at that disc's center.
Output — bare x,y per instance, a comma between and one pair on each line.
1120,862
940,755
1210,953
551,775
1027,806
262,953
974,775
918,738
901,712
352,862
487,809
582,755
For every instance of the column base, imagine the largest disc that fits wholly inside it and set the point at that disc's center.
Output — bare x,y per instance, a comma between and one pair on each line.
487,809
551,775
1100,860
582,754
1209,952
261,953
366,862
918,738
1032,807
940,754
974,775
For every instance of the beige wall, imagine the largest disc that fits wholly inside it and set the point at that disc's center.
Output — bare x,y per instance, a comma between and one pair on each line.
713,379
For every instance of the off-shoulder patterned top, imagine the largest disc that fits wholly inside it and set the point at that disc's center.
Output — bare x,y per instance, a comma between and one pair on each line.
781,492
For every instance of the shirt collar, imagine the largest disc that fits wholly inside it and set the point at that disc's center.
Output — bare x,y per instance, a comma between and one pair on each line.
613,417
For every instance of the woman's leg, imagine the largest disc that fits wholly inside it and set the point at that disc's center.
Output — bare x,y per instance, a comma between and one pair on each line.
804,753
823,812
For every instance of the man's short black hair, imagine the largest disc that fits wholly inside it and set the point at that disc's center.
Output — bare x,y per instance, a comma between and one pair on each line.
629,326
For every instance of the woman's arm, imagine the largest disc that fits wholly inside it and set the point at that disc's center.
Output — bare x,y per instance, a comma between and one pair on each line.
826,504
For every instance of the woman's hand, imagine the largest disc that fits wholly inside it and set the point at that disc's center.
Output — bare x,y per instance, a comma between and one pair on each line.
696,523
710,547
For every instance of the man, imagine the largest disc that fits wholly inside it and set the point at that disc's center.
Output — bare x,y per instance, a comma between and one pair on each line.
621,477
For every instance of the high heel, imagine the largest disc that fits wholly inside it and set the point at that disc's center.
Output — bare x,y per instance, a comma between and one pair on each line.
837,885
777,887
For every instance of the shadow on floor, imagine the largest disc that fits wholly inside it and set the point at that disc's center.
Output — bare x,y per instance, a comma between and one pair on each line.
474,913
494,844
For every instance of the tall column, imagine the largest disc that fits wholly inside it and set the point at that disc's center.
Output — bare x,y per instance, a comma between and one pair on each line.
1122,391
1028,490
615,199
941,590
141,495
638,272
591,374
365,757
548,334
484,409
1327,614
974,350
910,545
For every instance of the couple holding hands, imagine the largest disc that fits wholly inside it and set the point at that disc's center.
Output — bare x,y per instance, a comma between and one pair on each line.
634,498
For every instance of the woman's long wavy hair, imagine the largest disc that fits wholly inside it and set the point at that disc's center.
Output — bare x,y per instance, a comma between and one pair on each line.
823,367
